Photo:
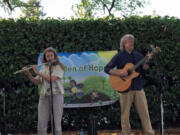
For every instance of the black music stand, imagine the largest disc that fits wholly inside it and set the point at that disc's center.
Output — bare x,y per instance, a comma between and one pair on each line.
4,87
92,125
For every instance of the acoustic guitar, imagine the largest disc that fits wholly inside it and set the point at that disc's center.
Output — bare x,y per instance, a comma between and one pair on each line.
122,84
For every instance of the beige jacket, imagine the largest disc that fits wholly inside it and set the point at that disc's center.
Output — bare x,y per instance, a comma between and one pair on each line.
57,86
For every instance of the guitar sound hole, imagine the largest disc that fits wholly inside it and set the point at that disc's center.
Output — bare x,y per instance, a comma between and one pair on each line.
129,71
123,78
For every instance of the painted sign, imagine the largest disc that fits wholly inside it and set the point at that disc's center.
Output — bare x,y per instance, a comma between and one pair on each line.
85,82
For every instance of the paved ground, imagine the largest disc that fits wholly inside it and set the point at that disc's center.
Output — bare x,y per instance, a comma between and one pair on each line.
169,131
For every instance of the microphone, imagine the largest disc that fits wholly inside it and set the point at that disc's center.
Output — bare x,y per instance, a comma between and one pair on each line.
49,62
153,48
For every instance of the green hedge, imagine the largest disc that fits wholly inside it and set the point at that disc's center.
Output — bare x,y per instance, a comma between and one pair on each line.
22,40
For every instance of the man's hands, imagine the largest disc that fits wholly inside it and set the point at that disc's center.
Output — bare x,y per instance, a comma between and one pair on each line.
149,57
123,74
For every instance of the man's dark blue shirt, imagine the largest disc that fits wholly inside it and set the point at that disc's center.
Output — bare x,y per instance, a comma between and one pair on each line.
121,59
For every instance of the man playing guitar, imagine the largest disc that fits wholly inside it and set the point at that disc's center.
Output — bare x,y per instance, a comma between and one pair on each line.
135,93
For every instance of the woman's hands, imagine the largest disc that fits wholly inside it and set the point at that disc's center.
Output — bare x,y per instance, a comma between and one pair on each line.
35,69
46,77
28,74
26,71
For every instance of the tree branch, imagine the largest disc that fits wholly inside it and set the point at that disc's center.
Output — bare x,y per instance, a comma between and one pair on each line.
112,5
9,5
20,6
109,9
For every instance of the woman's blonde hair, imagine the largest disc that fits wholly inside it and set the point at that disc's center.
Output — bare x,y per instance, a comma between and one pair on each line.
57,61
124,39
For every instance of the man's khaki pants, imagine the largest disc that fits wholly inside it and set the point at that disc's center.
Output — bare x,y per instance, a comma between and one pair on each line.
139,99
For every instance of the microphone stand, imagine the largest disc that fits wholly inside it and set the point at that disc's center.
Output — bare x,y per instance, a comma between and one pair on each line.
2,93
161,92
51,102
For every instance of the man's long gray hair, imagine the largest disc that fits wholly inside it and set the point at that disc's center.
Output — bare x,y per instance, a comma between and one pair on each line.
123,39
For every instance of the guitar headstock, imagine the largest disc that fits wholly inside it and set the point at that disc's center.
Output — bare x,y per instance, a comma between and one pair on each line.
156,49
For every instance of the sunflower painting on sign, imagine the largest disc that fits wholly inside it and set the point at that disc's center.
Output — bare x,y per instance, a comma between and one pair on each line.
84,81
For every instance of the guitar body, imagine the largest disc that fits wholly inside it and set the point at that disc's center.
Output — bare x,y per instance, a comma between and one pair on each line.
122,84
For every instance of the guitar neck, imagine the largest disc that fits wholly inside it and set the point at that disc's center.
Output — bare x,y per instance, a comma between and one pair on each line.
139,63
154,51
